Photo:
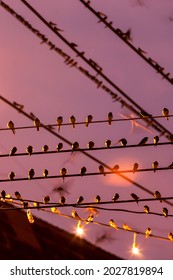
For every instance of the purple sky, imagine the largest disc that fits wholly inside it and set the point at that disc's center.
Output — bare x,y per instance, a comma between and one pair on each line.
33,75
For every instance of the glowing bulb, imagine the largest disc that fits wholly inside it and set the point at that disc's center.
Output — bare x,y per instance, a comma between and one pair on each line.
135,249
79,229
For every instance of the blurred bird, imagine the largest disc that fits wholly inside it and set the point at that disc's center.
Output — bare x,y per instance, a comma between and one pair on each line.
90,145
146,209
171,138
11,175
29,150
165,211
135,167
143,141
165,113
10,125
97,199
105,236
108,143
157,195
155,165
45,148
89,219
127,35
116,167
123,142
75,146
113,224
80,199
31,174
115,197
59,147
72,121
75,215
126,227
13,151
18,195
156,140
147,232
46,199
170,236
135,197
110,117
63,172
171,165
145,114
45,173
37,123
83,170
88,120
25,204
59,122
3,194
62,200
102,170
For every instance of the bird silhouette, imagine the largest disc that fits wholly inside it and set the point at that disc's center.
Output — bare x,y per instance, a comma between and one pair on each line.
73,121
157,195
75,215
143,141
46,199
146,209
110,118
147,232
116,168
127,35
165,212
18,195
102,170
145,114
80,199
115,197
155,165
11,175
63,172
165,113
170,236
126,227
29,150
10,125
108,143
83,170
135,167
45,148
37,123
59,147
113,224
123,142
3,194
59,122
135,197
88,120
75,146
25,204
62,200
45,173
89,219
97,199
171,165
31,173
156,140
90,145
13,151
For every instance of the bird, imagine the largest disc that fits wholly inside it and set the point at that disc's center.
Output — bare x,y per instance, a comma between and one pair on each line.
45,148
97,199
113,224
13,151
115,197
147,232
88,120
31,173
127,35
157,195
10,125
156,140
75,146
83,170
29,150
18,195
90,145
170,236
165,113
171,165
63,172
45,173
59,122
155,165
102,170
171,138
116,167
11,175
62,200
89,219
3,194
146,209
123,142
80,199
135,167
24,204
72,121
126,227
143,141
110,117
75,215
59,146
37,123
108,143
46,199
135,197
145,114
165,212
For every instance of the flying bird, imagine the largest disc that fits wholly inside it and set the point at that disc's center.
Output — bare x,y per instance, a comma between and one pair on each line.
45,148
147,232
102,170
110,118
165,212
123,142
62,200
157,195
135,167
10,125
59,122
88,120
97,199
155,165
146,209
45,173
75,215
46,199
59,147
31,173
113,224
63,172
143,141
73,121
135,197
90,145
29,150
165,113
145,114
156,140
115,197
83,170
11,175
37,123
13,151
108,143
80,199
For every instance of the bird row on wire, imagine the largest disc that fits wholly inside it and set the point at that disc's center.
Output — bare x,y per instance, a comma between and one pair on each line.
89,119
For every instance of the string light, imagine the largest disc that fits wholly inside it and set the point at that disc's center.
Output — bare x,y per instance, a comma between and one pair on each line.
135,248
79,229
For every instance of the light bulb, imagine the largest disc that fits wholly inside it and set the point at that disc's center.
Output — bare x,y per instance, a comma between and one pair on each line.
79,229
135,249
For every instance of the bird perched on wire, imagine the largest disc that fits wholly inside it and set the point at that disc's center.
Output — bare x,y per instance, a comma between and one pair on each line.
165,113
29,150
3,194
75,215
155,165
75,146
62,200
115,197
108,143
45,173
135,167
110,118
45,148
89,219
146,209
18,195
135,197
59,147
90,145
31,173
165,212
11,175
157,195
102,170
156,140
46,199
37,123
88,120
123,142
13,151
10,125
63,172
126,227
171,165
25,204
170,236
115,168
127,35
83,170
73,121
143,141
145,115
97,199
113,224
80,199
147,232
59,122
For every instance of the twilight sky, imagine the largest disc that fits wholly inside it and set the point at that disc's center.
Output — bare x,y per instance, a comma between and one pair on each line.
37,77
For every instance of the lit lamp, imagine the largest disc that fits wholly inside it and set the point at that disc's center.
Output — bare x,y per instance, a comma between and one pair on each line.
135,248
79,229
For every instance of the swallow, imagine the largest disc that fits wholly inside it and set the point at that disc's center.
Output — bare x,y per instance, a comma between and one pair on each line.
37,123
147,232
62,200
135,197
97,199
59,122
80,199
18,195
29,150
108,143
59,147
83,170
55,210
165,212
45,173
141,51
45,148
116,167
123,142
63,172
155,165
113,224
170,236
127,35
75,146
75,215
72,121
102,170
88,120
73,45
155,140
46,199
10,125
31,174
143,141
13,151
157,195
115,197
90,145
146,209
11,175
19,106
165,113
135,167
126,227
145,115
110,118
25,204
89,219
